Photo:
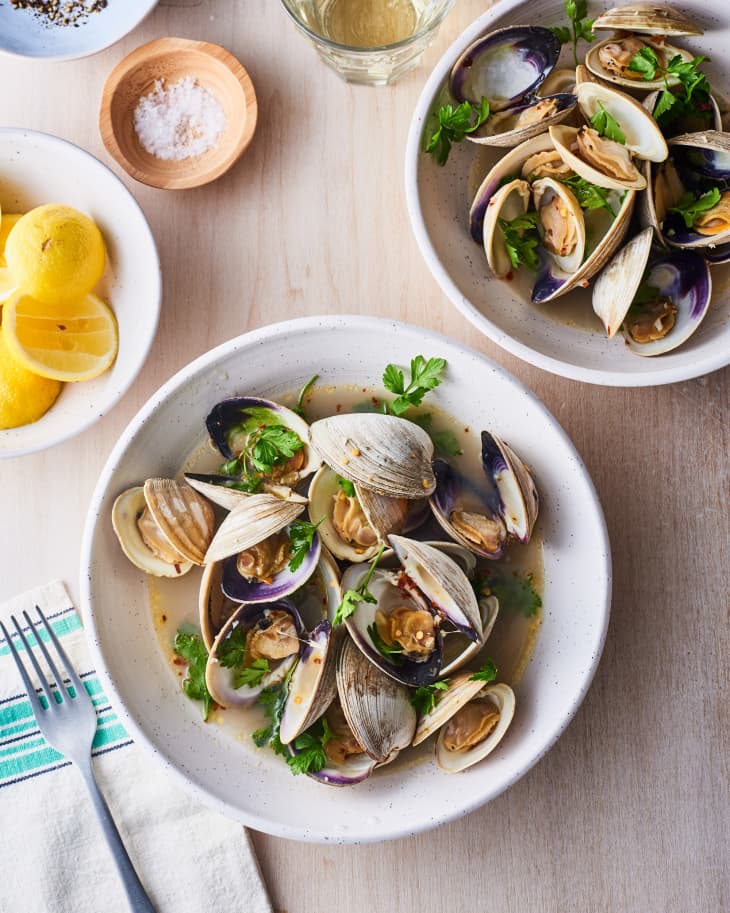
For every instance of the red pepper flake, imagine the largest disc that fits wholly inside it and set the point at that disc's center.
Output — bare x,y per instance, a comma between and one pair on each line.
585,283
338,407
510,276
179,661
163,617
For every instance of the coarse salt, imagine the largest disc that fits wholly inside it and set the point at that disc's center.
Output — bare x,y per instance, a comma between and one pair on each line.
179,120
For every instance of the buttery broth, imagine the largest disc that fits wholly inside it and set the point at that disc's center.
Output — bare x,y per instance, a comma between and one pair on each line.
174,602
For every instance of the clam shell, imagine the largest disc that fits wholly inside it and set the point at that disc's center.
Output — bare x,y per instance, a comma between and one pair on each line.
385,515
503,698
563,138
504,66
651,100
509,202
257,517
644,139
312,686
455,654
461,690
125,511
504,129
214,608
509,165
544,190
322,490
557,82
240,589
389,455
221,490
377,708
618,283
593,63
647,19
185,518
515,486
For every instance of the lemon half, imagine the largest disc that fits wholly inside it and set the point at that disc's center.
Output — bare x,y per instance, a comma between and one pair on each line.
69,341
24,396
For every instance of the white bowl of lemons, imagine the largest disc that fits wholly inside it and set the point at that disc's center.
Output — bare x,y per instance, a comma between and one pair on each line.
80,290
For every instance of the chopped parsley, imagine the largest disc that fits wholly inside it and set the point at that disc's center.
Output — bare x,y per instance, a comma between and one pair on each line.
580,27
272,700
515,593
268,443
253,674
310,754
605,124
352,598
389,651
190,647
690,209
301,538
590,196
232,649
299,408
425,376
453,125
693,89
427,696
347,486
487,673
521,239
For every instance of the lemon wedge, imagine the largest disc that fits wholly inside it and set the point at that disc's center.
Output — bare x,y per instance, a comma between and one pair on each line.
55,253
69,341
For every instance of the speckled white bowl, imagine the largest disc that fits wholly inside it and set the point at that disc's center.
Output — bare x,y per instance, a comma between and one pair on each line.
256,787
37,168
548,336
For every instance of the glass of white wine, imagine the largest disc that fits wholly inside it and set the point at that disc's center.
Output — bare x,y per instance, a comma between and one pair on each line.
371,42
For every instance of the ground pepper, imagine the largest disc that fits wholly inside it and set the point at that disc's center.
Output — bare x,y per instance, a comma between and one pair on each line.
61,12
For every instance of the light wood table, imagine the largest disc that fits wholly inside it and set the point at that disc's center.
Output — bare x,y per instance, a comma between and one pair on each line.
629,811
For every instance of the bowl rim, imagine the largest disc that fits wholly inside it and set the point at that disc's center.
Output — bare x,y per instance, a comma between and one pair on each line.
142,353
414,159
147,53
96,49
206,362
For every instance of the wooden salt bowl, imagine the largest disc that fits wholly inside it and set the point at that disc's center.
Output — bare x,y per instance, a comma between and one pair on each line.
171,59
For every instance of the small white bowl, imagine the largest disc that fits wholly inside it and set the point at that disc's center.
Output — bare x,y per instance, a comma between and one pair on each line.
254,786
37,168
25,34
564,337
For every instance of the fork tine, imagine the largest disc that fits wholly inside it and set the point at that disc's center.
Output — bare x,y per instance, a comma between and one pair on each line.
63,656
32,696
44,650
34,662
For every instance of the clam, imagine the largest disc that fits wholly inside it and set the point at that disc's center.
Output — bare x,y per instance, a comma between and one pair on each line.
255,518
312,685
273,635
561,224
505,66
383,453
235,424
674,295
378,709
164,528
214,607
704,116
228,492
647,19
482,518
507,204
530,118
557,82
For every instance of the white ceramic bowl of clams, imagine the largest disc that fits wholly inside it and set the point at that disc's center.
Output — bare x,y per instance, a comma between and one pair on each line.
529,620
584,225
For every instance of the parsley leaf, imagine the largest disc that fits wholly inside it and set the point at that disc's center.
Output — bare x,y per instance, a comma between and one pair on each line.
521,239
347,486
272,700
603,123
645,294
590,196
487,673
690,208
446,443
515,593
425,375
427,696
352,598
645,62
253,674
231,650
274,444
580,27
191,648
453,125
301,537
311,755
390,651
299,408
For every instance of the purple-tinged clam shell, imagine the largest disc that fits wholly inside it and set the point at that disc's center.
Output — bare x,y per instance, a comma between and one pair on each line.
514,484
505,66
517,124
239,588
312,686
221,680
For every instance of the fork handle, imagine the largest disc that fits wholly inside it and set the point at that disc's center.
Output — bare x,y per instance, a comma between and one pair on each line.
137,897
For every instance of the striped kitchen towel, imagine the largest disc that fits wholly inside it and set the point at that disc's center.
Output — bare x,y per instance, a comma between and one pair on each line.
52,855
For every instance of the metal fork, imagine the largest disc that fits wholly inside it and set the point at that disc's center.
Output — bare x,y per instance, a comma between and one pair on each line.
68,724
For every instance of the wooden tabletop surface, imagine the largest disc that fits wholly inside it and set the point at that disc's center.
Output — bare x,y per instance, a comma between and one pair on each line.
629,811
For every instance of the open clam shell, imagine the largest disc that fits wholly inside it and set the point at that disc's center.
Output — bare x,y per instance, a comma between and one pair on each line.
497,702
561,224
214,607
389,455
240,588
644,139
460,691
616,286
254,519
221,679
312,685
223,490
508,203
565,139
127,510
530,118
231,421
558,82
378,708
504,66
185,518
468,513
647,19
609,59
